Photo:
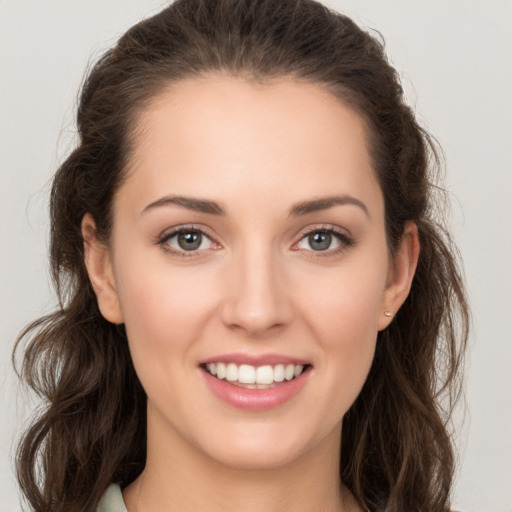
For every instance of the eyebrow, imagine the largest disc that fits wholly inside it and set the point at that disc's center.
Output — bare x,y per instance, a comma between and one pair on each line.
299,209
324,203
190,203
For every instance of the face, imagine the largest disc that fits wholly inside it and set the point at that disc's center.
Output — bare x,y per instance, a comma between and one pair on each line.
248,242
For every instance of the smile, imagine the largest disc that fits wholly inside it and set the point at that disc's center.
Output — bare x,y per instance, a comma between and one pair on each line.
254,377
268,382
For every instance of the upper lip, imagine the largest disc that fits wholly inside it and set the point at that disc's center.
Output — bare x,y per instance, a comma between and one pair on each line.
255,360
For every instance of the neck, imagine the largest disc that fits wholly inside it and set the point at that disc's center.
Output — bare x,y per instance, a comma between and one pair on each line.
180,477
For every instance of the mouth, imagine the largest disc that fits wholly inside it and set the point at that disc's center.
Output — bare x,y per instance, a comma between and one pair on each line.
255,377
256,382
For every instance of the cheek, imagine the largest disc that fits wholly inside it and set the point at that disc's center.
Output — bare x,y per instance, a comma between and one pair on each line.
165,311
346,327
342,312
345,302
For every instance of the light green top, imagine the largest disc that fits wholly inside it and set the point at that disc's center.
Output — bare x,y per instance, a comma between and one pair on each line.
112,500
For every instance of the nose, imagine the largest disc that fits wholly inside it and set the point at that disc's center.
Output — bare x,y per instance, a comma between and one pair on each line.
257,299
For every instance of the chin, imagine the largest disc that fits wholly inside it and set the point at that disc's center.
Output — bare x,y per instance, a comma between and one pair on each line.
259,457
267,447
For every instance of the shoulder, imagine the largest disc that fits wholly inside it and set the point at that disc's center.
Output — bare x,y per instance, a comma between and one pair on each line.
112,500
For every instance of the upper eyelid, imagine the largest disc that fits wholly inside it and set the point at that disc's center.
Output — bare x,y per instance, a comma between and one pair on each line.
172,231
323,227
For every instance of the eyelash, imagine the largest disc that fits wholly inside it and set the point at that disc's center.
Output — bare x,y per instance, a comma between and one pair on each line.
345,240
163,240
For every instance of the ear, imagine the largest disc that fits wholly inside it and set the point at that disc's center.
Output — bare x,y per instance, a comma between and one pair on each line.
401,273
99,267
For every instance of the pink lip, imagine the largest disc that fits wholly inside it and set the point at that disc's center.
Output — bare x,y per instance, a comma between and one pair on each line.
255,399
255,360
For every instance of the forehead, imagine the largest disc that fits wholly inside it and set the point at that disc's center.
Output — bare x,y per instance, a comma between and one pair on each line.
223,135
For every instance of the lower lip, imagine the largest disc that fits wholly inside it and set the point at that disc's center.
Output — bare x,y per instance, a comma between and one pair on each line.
255,399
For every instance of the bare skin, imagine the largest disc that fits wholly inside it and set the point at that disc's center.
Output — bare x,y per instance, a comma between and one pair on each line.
304,485
275,183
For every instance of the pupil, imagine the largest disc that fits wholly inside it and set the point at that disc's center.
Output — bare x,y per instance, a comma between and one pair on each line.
320,241
189,241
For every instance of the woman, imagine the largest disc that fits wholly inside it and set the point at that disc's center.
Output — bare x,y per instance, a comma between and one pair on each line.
259,304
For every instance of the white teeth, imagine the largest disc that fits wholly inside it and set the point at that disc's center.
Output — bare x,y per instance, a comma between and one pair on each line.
289,372
265,375
232,372
246,374
279,372
221,371
254,377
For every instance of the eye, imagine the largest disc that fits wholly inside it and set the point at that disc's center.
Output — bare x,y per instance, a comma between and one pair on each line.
324,240
185,240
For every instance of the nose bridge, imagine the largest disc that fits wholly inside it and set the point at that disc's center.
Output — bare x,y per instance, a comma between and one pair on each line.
258,301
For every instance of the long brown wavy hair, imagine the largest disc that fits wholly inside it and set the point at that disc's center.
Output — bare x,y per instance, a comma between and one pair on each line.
396,452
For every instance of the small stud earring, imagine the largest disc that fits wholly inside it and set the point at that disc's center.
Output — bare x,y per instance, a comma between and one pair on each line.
387,313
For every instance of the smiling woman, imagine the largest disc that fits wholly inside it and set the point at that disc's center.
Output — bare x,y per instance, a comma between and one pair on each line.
264,295
258,309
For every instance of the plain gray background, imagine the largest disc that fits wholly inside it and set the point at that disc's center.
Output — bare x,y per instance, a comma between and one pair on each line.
455,59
